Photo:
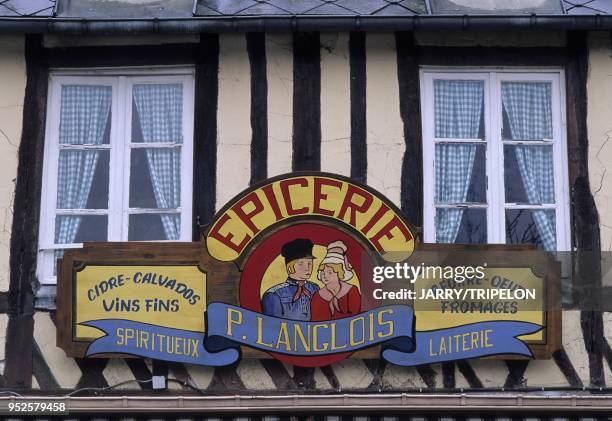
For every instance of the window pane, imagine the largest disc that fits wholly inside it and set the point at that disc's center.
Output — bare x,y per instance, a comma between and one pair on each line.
155,180
527,110
85,114
157,112
152,227
529,174
460,173
459,109
82,181
461,225
80,228
529,226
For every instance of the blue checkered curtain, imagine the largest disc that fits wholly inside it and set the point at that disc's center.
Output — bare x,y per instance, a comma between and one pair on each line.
454,163
83,118
528,107
160,111
458,108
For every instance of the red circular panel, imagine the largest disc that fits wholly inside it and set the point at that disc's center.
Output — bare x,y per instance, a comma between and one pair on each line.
270,248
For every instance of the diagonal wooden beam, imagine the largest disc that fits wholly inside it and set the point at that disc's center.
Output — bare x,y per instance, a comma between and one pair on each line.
226,379
428,375
45,378
331,377
279,375
567,368
516,373
470,375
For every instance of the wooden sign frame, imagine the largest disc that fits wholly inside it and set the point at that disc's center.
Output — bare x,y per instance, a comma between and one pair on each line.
223,280
220,274
224,267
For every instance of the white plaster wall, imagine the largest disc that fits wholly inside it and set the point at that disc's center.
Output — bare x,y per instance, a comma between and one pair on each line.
233,118
279,61
599,124
335,103
385,130
12,91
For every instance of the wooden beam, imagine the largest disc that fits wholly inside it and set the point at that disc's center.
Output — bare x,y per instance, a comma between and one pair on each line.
585,218
359,158
5,303
567,368
516,373
205,131
306,102
24,235
256,48
410,111
470,375
492,56
115,56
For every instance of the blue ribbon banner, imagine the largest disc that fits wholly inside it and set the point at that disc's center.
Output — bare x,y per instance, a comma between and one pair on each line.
157,342
228,327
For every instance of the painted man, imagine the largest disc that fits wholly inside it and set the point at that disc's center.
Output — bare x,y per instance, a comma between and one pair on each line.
291,299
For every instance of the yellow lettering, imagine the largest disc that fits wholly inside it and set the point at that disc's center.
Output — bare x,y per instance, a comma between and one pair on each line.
283,337
233,321
352,331
180,343
431,353
119,333
299,334
333,338
144,339
475,337
259,340
487,344
387,323
442,349
315,331
194,347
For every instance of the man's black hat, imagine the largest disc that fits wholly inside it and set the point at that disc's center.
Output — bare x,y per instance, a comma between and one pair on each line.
297,249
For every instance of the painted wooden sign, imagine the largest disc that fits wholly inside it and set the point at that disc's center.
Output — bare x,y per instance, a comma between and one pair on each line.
172,296
309,269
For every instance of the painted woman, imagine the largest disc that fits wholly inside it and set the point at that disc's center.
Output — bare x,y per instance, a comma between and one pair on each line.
337,298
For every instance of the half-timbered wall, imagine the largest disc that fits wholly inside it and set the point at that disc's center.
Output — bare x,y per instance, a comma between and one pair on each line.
339,102
12,88
600,132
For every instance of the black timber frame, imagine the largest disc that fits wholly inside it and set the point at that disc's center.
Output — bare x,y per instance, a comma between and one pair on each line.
23,357
585,235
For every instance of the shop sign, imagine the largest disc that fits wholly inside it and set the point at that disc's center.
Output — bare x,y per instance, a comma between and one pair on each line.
306,268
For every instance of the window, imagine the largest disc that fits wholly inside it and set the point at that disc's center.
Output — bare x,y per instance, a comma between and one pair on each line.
495,160
118,161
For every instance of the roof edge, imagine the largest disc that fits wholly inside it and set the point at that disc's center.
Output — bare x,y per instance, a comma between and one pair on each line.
79,26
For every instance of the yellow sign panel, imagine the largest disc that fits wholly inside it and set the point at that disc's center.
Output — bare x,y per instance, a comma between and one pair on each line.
169,296
361,209
511,294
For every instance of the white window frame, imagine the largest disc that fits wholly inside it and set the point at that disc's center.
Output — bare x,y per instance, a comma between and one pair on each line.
121,81
494,145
